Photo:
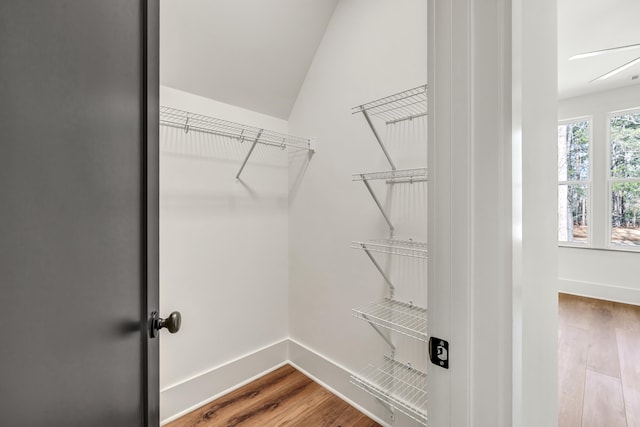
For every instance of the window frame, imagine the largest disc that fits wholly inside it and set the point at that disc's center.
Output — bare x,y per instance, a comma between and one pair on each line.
588,183
610,180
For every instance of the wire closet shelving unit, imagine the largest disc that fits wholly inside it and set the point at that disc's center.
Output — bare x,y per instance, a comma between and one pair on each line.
397,386
405,318
193,122
394,247
399,107
398,316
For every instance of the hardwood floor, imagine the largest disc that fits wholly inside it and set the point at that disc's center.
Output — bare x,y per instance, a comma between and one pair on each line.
598,363
284,397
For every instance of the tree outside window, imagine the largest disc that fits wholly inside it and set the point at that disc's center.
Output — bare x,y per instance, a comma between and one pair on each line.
624,180
574,185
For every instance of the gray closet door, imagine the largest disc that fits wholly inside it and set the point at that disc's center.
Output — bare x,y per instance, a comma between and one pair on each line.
78,212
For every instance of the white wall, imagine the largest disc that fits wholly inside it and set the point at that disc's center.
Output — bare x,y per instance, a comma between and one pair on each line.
372,48
599,273
223,252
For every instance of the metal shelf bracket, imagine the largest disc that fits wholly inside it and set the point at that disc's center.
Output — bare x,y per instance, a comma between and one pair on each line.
375,199
255,142
395,176
375,133
384,337
392,288
387,407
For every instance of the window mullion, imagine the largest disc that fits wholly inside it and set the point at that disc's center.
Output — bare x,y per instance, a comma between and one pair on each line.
600,175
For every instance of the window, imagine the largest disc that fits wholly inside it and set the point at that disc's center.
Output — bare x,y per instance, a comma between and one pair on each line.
574,182
624,178
599,180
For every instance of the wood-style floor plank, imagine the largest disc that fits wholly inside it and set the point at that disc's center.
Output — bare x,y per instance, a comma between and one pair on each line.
627,317
292,407
598,363
284,397
573,310
572,369
253,395
330,413
629,351
603,401
603,349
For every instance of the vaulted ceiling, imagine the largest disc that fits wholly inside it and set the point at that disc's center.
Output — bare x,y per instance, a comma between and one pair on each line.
255,53
251,53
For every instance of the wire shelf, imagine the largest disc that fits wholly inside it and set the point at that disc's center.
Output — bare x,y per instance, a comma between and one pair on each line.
408,248
398,316
406,105
394,176
201,123
400,386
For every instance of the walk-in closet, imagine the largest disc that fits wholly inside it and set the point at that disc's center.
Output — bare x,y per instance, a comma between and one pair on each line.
293,201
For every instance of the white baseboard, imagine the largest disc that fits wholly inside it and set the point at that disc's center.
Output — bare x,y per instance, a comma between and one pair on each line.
600,291
181,398
336,379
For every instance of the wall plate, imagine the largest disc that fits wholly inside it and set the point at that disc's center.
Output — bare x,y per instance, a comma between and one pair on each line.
439,352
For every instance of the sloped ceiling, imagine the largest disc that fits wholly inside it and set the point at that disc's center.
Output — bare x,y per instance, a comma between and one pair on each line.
589,25
250,53
255,53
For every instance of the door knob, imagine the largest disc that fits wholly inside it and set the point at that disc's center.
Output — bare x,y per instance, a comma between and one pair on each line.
171,323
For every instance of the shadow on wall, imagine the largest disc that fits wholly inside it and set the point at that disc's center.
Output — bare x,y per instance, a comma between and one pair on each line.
199,170
204,203
299,160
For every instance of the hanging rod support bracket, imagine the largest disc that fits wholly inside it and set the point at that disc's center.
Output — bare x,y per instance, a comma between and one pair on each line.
375,133
249,154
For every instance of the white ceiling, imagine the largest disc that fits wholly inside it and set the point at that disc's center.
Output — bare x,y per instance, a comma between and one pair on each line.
589,25
250,53
255,53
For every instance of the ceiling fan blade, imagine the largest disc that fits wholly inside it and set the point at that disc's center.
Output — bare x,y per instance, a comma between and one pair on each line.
603,51
617,70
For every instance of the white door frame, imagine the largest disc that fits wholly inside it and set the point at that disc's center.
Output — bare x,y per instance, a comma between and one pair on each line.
492,255
535,258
